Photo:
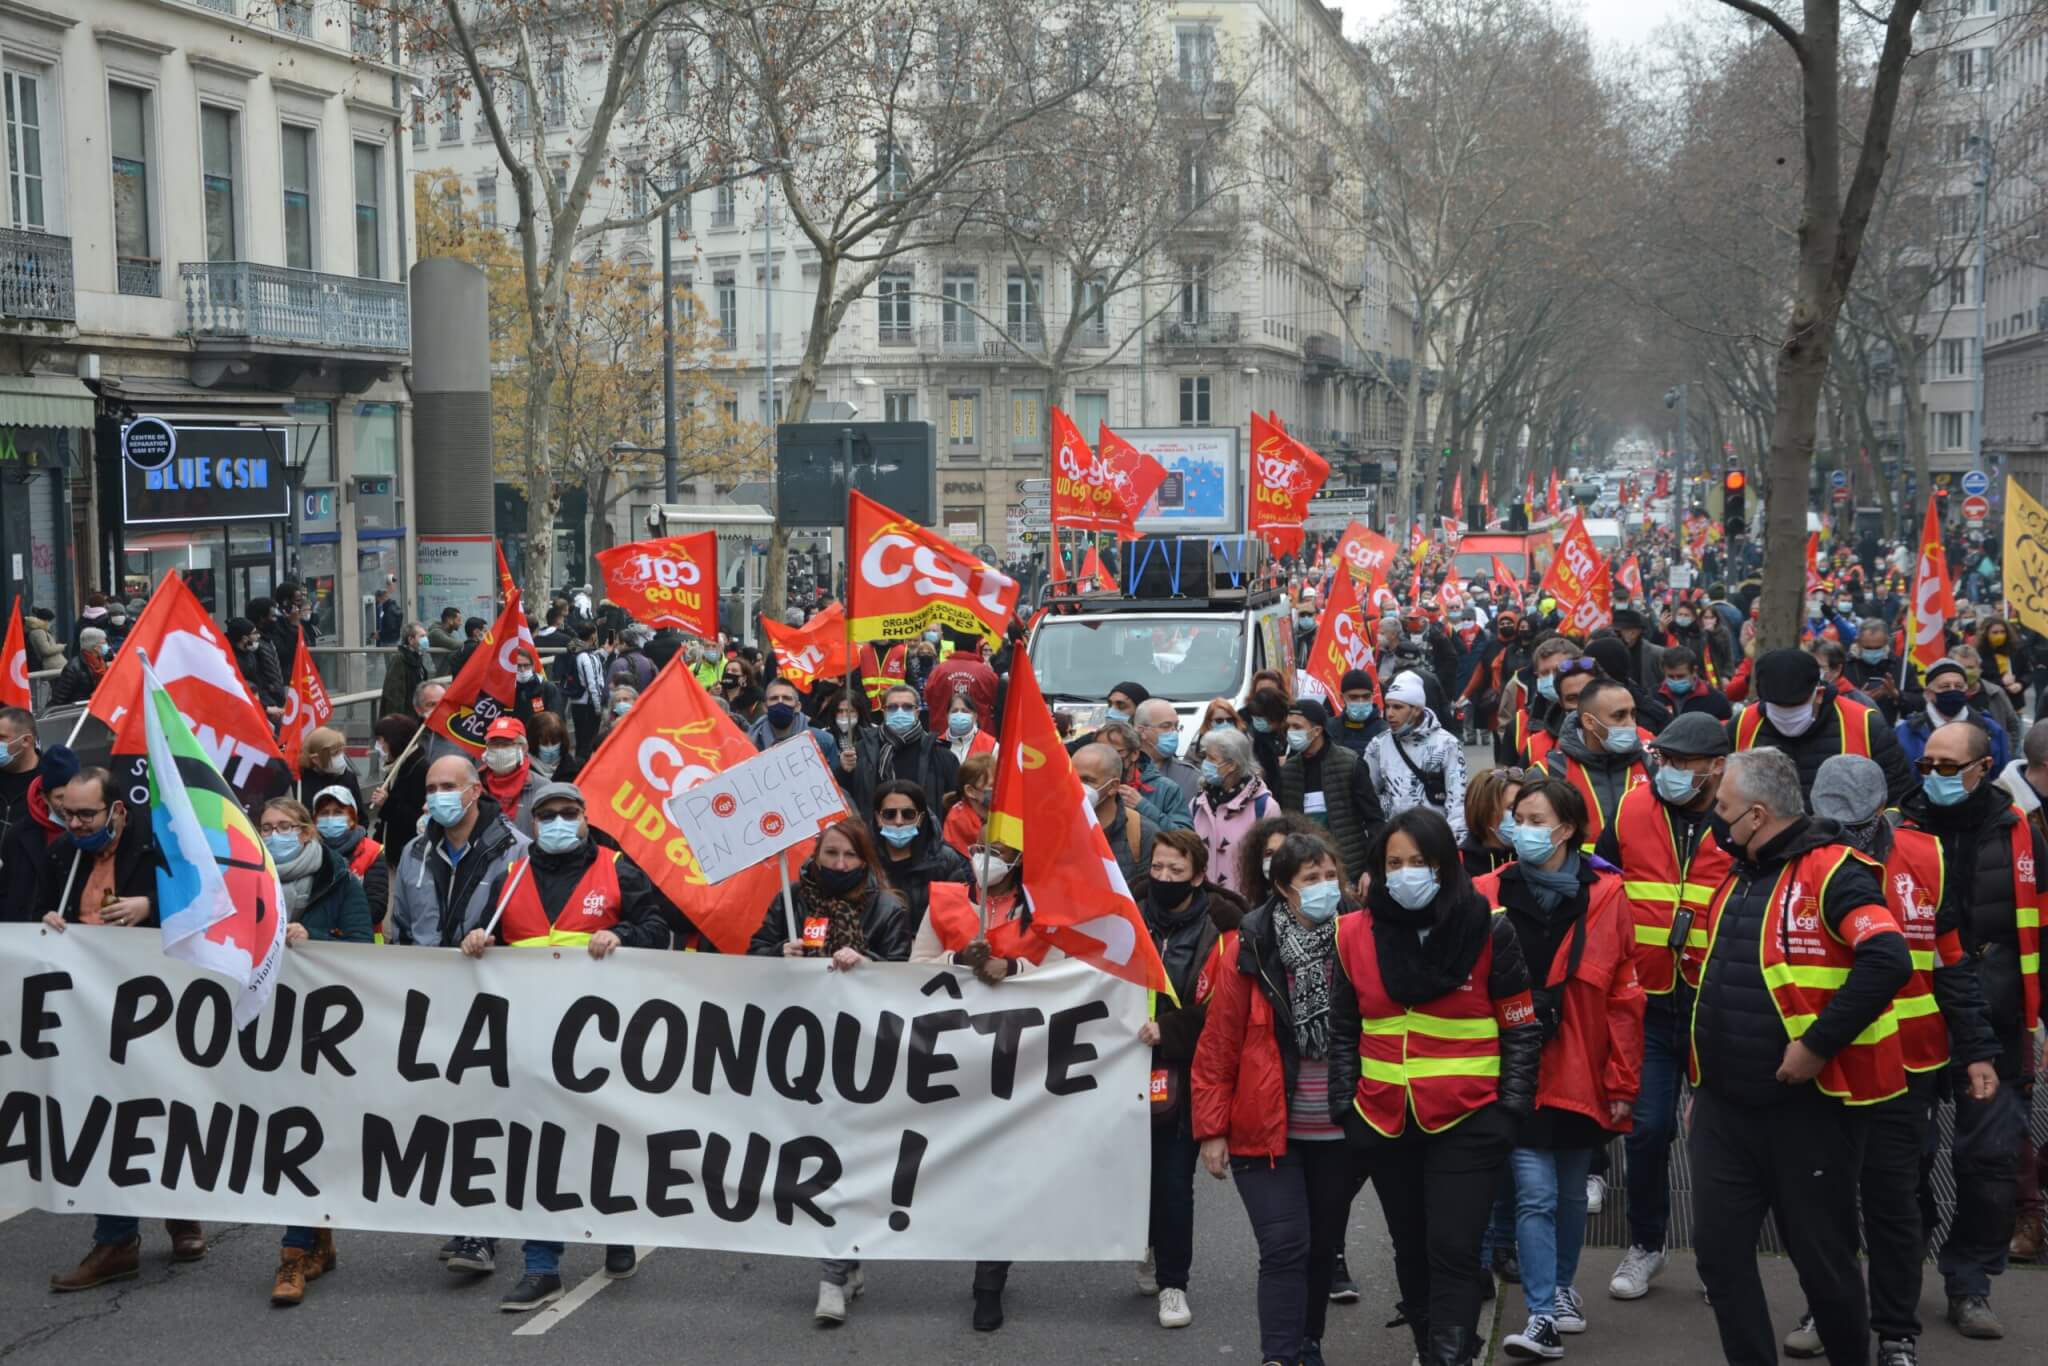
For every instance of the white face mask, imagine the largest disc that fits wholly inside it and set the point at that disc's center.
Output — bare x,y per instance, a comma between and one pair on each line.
1790,722
503,758
990,869
338,764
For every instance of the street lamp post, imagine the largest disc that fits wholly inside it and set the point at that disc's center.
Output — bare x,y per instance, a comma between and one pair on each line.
671,487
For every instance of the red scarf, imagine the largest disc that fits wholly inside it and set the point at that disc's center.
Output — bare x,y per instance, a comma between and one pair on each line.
505,787
39,810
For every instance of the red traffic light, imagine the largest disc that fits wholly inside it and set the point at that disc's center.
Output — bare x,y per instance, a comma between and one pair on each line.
1735,481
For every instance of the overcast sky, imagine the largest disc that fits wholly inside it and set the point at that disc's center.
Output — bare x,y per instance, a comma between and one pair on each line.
1611,21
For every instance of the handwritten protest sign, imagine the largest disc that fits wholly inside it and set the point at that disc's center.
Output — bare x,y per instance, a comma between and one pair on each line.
756,809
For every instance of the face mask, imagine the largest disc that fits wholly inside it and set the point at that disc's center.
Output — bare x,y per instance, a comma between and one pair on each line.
284,846
900,722
932,636
1319,901
1793,721
899,836
1297,741
1676,785
1874,656
1679,686
1266,867
1842,608
551,755
1358,711
1724,834
1169,744
1211,774
1949,704
959,724
1215,726
1163,894
445,808
1971,677
1534,843
1546,687
989,869
332,828
338,764
1412,887
524,675
1506,830
839,881
557,835
1096,794
1996,640
780,714
1944,791
383,754
1681,622
845,723
621,708
1621,740
1116,714
1262,725
502,758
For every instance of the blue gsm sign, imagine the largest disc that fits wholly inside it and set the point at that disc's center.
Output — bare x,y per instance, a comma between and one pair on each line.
218,474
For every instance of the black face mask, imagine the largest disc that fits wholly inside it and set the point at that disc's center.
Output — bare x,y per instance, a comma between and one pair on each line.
1724,835
838,881
1950,704
1165,894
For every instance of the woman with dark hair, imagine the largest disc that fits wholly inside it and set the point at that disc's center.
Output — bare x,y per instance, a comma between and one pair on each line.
398,819
1577,929
1261,1083
1489,819
1430,1013
1258,848
967,811
845,912
913,854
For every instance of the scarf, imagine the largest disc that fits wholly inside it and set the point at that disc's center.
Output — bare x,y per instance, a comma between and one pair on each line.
842,914
506,786
1415,969
95,662
1553,889
297,876
1307,952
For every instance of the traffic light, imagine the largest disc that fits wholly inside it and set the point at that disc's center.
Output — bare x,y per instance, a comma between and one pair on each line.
1734,488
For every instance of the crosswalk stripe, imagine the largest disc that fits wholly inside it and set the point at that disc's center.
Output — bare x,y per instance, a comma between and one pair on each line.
584,1292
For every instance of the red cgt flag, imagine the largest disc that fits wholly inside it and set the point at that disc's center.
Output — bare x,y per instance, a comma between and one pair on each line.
483,691
817,649
675,738
1933,604
1095,575
1813,579
1104,489
1551,505
190,657
305,704
1341,643
1578,563
902,578
14,688
506,587
1631,577
1284,476
672,581
1078,897
1367,554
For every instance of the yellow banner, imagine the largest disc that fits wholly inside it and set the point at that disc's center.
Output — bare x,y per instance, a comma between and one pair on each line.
2025,565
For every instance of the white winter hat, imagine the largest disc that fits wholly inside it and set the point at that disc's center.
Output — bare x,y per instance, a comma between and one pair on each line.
1407,688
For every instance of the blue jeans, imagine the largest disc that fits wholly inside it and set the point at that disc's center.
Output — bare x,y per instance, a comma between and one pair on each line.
115,1228
1648,1143
298,1236
1550,1219
543,1258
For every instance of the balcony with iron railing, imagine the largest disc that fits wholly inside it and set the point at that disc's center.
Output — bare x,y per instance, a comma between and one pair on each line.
962,337
1025,331
1323,353
1198,97
142,276
244,301
295,17
1207,329
1218,213
35,278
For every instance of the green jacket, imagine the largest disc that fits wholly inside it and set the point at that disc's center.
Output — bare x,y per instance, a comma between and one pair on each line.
338,911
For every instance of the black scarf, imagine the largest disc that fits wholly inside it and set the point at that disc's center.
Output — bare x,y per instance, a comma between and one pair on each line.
1416,969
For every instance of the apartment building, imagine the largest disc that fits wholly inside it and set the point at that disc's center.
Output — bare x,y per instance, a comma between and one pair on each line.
207,224
2016,335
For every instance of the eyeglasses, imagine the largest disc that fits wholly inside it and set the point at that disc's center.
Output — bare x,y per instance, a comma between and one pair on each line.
79,817
897,815
1583,664
1947,768
286,828
909,707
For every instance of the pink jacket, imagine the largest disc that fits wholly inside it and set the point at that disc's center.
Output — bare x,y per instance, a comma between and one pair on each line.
1225,830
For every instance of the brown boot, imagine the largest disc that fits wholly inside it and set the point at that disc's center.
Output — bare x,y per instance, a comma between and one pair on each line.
290,1286
106,1262
320,1260
2026,1238
188,1243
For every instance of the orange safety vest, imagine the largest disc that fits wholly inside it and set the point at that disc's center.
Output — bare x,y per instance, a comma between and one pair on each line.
950,907
1439,1060
1805,962
1917,870
593,905
366,854
1575,773
878,675
1854,719
1658,881
1539,745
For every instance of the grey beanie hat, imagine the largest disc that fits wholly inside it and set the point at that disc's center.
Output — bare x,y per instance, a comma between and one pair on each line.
1849,788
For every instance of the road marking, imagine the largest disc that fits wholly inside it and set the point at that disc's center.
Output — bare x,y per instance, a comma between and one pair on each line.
584,1293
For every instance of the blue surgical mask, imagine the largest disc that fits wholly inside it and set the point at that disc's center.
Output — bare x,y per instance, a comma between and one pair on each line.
900,722
551,755
1944,791
932,636
1297,741
445,808
899,836
557,834
1675,784
1215,726
959,724
1358,711
1621,740
1412,887
1546,687
1506,830
1116,714
1319,901
283,846
1262,725
621,708
94,842
1874,656
1534,843
1679,686
1210,773
1169,744
332,828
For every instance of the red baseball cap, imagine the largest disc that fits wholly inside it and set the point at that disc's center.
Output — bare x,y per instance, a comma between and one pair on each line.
505,728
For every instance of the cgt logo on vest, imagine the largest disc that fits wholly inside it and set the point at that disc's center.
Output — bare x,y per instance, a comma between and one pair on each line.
1907,890
595,905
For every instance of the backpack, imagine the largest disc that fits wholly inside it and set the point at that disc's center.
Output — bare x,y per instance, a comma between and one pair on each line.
569,676
633,668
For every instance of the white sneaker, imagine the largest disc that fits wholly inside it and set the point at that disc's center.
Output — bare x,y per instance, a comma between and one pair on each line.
831,1303
1148,1275
856,1281
1571,1311
1639,1266
1596,1194
1173,1309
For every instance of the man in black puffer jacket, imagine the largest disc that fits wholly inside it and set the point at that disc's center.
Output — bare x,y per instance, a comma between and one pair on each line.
1806,721
1802,958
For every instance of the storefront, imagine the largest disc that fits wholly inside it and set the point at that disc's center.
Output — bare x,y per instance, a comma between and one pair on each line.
42,422
209,499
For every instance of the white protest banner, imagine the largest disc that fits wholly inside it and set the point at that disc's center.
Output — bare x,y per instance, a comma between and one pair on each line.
759,807
687,1100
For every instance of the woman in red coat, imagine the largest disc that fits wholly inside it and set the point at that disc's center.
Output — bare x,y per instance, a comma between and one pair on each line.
1574,923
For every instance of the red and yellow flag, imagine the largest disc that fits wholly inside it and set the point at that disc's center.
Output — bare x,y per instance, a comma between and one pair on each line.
817,649
901,578
672,581
14,688
305,704
1104,489
1341,643
1284,476
483,691
506,587
1933,603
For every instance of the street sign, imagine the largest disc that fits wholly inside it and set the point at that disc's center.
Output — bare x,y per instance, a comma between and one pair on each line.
1839,479
1040,487
1841,495
1976,483
1976,507
1036,504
